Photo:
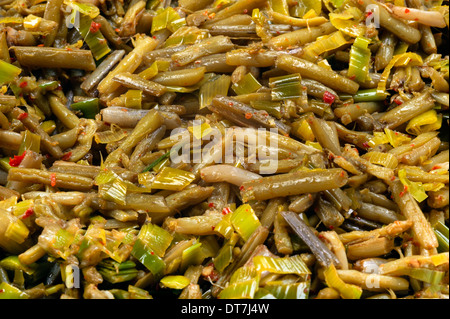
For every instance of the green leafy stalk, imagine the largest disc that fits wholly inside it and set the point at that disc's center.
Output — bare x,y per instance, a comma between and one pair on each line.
115,272
89,108
286,87
8,291
8,72
93,38
216,86
245,221
248,84
359,59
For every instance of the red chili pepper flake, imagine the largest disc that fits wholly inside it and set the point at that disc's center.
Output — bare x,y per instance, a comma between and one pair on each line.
352,77
342,174
365,144
436,167
40,45
16,160
94,27
27,213
2,290
368,14
248,115
403,192
23,84
245,11
226,211
213,227
241,188
66,156
152,253
230,103
53,179
331,227
406,10
328,97
392,178
22,116
211,205
69,49
398,102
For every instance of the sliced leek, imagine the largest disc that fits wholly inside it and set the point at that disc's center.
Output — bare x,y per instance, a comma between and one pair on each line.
248,84
347,291
359,59
8,72
172,179
244,220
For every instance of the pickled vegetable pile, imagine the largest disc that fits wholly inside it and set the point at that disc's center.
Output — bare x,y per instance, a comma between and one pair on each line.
229,149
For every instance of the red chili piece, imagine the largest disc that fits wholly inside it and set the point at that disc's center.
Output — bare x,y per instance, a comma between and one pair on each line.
226,211
27,213
53,179
328,97
22,116
16,160
94,27
66,156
